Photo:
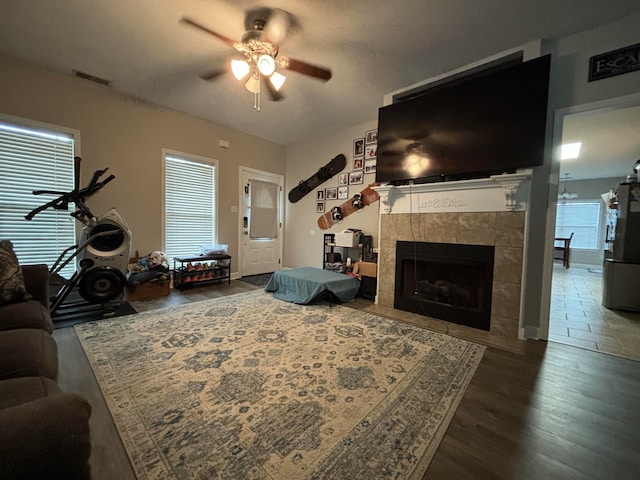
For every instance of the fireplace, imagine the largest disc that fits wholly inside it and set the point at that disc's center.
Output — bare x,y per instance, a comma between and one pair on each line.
452,282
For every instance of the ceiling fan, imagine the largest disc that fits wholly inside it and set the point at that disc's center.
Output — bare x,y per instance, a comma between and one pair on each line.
256,58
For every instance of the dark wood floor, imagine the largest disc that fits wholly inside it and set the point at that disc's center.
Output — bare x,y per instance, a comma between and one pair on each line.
556,412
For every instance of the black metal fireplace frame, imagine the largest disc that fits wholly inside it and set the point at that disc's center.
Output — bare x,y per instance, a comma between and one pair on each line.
474,255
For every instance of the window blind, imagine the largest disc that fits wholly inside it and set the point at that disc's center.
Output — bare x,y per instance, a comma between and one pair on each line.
190,210
582,219
31,160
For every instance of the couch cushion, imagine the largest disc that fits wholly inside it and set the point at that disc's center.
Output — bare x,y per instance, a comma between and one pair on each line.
28,352
28,314
45,432
16,391
12,287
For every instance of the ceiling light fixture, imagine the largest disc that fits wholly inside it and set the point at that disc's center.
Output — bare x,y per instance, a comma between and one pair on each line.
266,64
240,68
570,151
566,194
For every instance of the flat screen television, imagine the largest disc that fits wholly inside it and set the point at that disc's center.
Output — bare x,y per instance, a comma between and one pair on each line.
485,124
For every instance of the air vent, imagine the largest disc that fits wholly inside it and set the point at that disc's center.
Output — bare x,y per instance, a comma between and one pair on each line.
91,78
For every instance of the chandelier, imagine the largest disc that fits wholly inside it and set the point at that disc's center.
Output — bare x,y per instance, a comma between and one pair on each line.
566,194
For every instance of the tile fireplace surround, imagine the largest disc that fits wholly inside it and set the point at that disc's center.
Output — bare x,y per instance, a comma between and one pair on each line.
491,211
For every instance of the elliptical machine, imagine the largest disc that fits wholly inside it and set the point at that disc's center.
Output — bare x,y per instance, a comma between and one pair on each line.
103,252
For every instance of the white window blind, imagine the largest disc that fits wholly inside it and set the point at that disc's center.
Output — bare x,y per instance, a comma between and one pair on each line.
33,159
582,219
189,207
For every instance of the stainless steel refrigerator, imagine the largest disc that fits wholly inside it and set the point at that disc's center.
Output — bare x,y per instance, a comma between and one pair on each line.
622,271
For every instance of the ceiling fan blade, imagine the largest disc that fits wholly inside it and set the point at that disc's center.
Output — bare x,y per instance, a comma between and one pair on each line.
227,40
305,68
277,26
213,74
275,95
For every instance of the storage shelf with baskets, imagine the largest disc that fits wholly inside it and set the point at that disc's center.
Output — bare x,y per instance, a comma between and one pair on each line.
201,269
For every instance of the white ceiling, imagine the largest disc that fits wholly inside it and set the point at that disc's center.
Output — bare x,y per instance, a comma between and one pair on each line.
372,48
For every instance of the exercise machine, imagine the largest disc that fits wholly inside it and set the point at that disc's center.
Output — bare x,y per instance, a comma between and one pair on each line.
102,254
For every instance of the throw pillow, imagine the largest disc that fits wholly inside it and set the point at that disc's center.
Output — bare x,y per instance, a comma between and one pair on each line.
12,287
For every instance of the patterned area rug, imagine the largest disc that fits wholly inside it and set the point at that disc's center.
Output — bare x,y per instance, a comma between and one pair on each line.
250,387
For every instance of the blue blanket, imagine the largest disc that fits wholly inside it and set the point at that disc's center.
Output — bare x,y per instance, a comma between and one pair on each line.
302,285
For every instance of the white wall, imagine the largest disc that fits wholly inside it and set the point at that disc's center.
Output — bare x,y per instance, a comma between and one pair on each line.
303,237
127,136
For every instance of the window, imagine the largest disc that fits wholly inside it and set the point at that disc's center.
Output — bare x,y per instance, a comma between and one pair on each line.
35,158
189,204
582,219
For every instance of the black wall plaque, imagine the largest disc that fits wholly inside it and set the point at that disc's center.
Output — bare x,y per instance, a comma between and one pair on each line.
615,62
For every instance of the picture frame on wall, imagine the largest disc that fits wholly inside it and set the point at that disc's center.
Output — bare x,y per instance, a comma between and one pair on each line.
358,163
370,165
356,178
343,193
343,179
371,151
358,147
371,136
320,195
331,193
319,207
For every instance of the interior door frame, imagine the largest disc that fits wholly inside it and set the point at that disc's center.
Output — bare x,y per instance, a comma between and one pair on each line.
554,180
241,170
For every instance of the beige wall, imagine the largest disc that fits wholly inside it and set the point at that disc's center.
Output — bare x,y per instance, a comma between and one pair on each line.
303,237
127,136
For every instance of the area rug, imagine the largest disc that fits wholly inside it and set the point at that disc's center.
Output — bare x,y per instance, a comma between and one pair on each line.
260,280
250,387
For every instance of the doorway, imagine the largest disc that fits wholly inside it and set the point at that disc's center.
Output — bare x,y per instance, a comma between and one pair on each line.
610,147
260,222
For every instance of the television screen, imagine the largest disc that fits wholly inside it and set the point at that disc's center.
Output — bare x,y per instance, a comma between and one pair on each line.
489,123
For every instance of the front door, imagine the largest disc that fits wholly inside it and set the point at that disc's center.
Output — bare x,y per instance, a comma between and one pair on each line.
260,221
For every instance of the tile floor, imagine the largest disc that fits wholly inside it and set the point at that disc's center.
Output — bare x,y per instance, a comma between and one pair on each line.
578,318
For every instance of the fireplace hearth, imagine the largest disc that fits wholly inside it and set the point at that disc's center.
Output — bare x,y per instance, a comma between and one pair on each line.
451,282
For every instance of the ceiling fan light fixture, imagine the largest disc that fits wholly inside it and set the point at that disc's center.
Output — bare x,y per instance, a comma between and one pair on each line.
240,68
253,84
277,80
266,64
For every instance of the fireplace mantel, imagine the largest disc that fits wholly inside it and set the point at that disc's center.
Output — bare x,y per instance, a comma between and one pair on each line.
496,193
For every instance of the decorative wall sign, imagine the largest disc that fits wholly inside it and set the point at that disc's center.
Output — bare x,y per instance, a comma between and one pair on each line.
615,62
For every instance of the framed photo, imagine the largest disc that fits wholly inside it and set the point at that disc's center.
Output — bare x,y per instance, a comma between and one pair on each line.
370,165
356,178
343,193
331,193
320,195
358,147
319,207
343,179
371,136
358,163
371,151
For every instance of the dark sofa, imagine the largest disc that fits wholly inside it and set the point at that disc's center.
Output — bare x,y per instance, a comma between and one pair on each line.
44,432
